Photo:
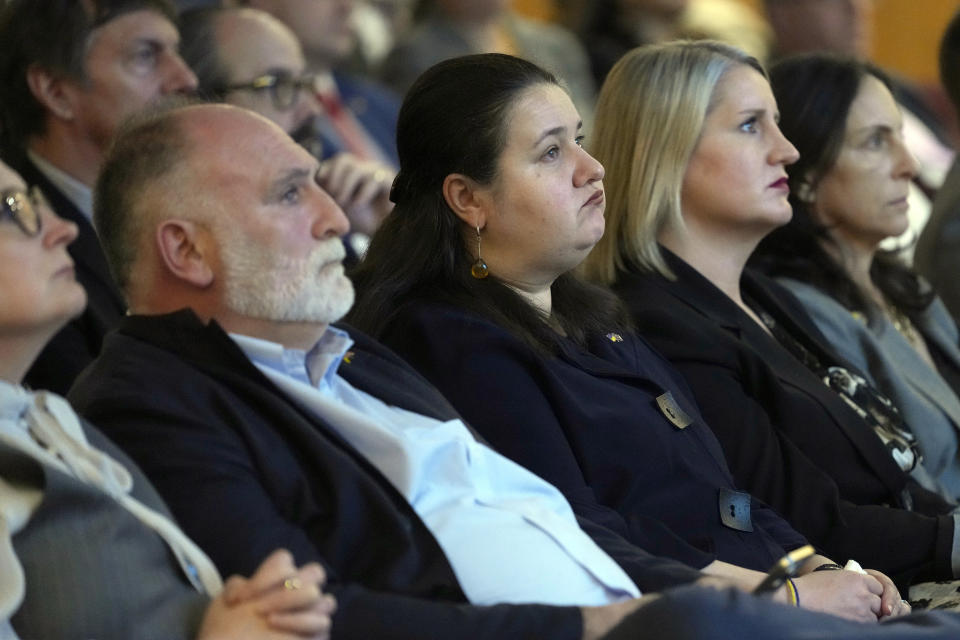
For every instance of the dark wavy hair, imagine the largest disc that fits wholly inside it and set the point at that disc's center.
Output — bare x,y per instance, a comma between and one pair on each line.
454,120
814,93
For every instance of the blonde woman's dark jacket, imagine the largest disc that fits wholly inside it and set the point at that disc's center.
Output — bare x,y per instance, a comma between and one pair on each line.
789,439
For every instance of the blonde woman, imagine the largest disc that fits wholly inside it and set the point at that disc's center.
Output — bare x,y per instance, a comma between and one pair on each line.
696,178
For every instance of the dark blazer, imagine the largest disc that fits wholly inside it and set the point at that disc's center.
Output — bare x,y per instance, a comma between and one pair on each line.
788,439
92,569
245,470
78,343
375,107
588,422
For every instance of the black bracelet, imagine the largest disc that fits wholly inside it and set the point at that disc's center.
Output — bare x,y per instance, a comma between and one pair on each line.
829,566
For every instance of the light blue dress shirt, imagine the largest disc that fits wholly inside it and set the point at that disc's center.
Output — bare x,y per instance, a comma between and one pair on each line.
509,535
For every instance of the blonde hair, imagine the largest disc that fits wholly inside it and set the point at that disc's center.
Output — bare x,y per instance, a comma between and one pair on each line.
649,117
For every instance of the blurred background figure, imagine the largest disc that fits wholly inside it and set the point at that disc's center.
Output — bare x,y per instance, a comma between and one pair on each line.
248,58
360,116
62,105
844,27
378,25
840,26
938,250
611,28
449,28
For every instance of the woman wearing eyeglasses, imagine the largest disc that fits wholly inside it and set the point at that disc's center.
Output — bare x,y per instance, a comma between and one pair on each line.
87,549
248,58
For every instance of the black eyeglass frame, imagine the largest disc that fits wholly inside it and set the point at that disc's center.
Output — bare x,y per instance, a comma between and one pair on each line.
276,82
23,208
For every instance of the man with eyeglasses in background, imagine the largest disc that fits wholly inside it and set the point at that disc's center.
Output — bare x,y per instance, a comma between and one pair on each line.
70,72
248,58
360,116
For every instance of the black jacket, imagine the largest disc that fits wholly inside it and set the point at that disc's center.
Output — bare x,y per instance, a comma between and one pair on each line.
790,440
588,421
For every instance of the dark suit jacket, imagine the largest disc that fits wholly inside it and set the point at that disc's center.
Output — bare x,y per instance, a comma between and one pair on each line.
589,423
78,343
375,107
246,471
789,440
92,569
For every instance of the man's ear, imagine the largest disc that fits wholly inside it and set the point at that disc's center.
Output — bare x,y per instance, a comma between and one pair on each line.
465,197
52,91
186,251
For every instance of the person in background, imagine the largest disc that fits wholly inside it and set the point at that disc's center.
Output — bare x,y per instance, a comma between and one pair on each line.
611,28
697,178
248,58
449,28
937,254
77,69
360,115
806,26
849,192
506,332
378,24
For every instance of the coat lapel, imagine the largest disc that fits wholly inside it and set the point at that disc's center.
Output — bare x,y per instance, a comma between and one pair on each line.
701,295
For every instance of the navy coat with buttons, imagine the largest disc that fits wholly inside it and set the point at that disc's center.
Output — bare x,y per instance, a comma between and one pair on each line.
588,422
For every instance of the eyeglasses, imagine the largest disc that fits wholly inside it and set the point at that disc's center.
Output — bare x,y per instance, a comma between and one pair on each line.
24,208
284,87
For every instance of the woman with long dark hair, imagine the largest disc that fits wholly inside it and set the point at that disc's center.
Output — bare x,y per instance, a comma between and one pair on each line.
848,192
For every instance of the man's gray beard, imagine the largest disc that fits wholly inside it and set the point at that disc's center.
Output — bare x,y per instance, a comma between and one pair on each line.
260,284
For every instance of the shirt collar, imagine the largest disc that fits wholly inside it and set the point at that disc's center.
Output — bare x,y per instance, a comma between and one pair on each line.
316,367
78,193
14,402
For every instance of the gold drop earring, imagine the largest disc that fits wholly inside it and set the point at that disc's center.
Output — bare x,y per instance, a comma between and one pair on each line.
479,268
